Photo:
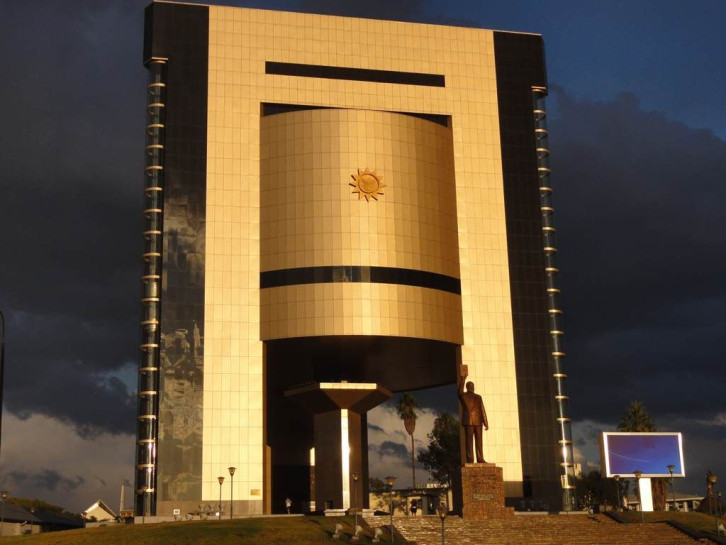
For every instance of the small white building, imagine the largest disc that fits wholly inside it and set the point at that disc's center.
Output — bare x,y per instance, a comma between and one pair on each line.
99,512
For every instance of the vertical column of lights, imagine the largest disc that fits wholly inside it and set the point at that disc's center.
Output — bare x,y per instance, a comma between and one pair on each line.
148,407
550,251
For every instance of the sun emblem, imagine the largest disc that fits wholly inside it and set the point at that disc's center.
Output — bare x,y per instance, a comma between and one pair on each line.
368,184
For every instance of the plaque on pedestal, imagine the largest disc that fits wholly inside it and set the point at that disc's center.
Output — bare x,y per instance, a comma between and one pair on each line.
482,490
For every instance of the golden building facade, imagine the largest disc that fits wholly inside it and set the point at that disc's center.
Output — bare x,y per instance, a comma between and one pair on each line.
337,199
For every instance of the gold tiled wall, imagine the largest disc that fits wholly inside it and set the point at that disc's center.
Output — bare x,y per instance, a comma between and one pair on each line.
241,40
310,217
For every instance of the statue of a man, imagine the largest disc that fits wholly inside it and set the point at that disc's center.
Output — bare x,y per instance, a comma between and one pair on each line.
473,418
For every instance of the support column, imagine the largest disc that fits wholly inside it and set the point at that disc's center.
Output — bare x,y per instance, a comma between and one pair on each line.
339,410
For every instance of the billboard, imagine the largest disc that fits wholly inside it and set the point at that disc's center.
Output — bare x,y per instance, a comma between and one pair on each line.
651,453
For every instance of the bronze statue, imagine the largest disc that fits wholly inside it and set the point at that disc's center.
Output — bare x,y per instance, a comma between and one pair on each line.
473,418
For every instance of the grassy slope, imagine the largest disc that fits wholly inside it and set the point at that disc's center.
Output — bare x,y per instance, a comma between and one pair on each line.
699,522
261,531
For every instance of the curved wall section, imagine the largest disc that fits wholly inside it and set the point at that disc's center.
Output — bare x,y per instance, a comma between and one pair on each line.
312,219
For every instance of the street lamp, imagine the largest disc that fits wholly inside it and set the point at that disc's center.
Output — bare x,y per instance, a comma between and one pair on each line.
638,475
231,490
671,469
221,480
390,481
143,503
712,478
355,477
441,510
617,490
4,494
2,362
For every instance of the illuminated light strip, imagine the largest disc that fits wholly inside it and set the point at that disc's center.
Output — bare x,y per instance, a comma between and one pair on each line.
345,456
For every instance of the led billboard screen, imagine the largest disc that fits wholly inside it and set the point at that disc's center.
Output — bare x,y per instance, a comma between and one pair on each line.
650,453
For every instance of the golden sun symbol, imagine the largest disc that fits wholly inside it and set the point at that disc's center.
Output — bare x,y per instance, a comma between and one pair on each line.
368,184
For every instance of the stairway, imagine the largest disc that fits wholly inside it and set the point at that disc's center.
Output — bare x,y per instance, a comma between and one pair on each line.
580,529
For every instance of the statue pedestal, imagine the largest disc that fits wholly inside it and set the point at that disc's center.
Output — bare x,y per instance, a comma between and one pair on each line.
482,491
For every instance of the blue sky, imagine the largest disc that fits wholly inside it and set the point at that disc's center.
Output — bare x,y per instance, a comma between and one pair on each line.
638,139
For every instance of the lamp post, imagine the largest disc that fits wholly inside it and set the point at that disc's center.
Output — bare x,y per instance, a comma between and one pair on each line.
2,522
143,503
671,469
718,510
638,475
221,480
390,481
231,490
2,364
441,510
355,477
617,491
712,478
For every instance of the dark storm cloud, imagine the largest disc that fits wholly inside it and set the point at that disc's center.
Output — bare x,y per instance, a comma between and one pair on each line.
640,217
46,479
391,448
73,99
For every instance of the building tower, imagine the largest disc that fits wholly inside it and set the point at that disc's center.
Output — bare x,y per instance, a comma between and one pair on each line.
334,200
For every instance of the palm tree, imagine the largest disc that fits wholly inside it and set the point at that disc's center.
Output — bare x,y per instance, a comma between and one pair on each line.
406,408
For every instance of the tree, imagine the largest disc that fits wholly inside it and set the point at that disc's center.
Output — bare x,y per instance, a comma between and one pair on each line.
442,458
376,485
406,408
591,490
637,419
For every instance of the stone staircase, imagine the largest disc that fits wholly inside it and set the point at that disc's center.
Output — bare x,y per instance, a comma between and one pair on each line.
580,529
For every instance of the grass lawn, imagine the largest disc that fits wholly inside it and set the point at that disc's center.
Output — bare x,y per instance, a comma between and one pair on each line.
257,531
698,522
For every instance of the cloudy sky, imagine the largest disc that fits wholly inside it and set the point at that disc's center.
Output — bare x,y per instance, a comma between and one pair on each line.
638,138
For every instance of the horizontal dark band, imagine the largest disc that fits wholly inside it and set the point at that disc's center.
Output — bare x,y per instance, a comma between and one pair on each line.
354,74
373,275
269,108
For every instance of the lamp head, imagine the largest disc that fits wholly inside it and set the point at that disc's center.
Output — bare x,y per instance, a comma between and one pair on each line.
355,476
616,477
390,481
441,510
231,471
221,480
638,474
4,494
712,478
671,469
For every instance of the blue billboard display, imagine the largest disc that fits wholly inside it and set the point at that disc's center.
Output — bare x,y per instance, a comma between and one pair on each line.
650,453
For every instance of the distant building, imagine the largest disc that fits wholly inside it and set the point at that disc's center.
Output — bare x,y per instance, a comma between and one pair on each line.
334,199
19,520
99,512
684,502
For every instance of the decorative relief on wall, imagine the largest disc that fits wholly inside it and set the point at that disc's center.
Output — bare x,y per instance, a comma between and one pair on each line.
368,184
